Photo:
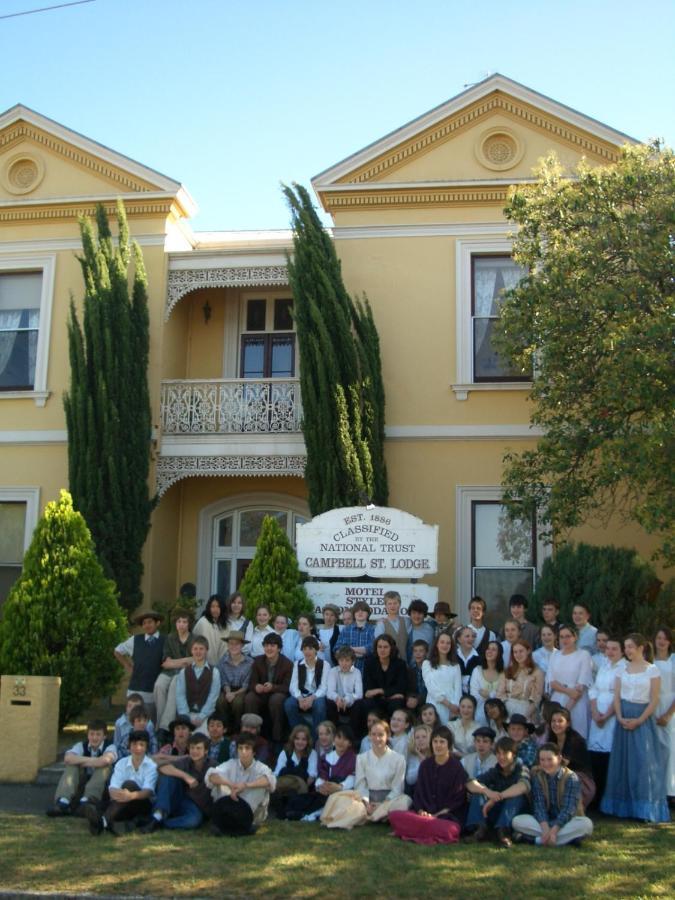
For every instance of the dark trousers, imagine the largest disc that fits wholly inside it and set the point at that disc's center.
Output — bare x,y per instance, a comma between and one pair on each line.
271,708
119,812
231,712
232,816
599,765
353,715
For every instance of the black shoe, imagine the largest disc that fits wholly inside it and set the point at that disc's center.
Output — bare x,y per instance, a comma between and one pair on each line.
151,826
94,818
119,829
215,831
519,838
59,809
81,809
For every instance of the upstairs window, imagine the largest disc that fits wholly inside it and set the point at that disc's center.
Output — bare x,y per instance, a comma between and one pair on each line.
490,277
268,338
20,297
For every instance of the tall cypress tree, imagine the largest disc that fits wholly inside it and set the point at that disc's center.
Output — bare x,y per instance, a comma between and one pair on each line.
108,405
340,373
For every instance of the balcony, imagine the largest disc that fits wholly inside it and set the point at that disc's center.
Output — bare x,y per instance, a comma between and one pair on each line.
231,406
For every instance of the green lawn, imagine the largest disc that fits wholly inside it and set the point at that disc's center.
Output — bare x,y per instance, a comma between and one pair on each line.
304,860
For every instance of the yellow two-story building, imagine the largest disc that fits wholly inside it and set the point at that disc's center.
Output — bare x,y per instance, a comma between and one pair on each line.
419,227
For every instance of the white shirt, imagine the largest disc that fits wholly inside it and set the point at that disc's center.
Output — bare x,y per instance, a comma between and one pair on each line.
145,775
312,763
255,637
332,759
636,686
380,773
311,686
346,686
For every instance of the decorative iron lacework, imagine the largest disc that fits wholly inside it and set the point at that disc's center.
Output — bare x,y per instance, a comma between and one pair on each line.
171,469
182,281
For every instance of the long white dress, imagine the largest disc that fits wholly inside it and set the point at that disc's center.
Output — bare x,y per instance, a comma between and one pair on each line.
602,691
572,669
667,734
213,634
443,683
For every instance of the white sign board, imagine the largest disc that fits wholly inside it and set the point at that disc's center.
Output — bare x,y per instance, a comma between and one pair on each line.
344,594
376,541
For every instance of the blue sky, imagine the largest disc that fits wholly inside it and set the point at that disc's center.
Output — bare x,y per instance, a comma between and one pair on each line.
234,98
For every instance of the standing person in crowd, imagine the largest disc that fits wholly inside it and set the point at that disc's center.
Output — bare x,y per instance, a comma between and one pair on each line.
379,785
421,628
88,765
439,801
482,634
394,624
499,795
429,715
385,679
177,656
296,770
290,639
234,670
235,618
520,731
521,684
664,660
182,800
443,679
198,687
550,613
496,716
257,631
399,726
542,655
598,656
636,777
581,616
511,632
464,655
359,635
306,628
570,675
131,789
240,789
574,750
485,677
141,656
603,720
309,683
558,816
269,685
417,689
443,617
344,690
463,728
329,633
483,758
212,625
517,611
419,749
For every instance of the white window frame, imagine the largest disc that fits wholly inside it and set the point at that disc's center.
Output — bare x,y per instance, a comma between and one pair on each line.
465,250
47,265
237,503
465,496
31,497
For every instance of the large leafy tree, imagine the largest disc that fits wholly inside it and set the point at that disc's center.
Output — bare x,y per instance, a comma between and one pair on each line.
108,404
595,321
340,371
62,616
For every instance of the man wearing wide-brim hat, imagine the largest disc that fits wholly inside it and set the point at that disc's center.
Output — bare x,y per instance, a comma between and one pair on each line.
520,731
235,674
142,655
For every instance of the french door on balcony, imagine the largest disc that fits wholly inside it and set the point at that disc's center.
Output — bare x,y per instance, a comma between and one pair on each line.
268,340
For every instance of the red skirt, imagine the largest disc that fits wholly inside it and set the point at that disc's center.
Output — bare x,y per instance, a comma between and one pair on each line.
410,826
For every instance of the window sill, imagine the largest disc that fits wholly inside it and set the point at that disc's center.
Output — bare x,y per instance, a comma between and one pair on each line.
462,390
40,397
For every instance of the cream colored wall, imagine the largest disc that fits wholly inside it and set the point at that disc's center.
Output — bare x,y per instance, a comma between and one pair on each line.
44,466
205,339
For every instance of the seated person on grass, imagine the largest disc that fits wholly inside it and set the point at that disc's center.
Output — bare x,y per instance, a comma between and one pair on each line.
180,730
240,789
558,813
88,765
483,758
219,748
131,789
499,795
182,800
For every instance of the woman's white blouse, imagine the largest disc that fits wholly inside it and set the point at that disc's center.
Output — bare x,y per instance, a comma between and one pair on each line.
636,686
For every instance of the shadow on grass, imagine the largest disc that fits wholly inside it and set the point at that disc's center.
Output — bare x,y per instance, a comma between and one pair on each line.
300,860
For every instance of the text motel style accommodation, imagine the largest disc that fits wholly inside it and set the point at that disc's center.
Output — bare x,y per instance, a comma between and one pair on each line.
419,227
